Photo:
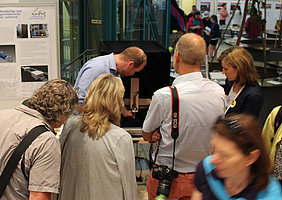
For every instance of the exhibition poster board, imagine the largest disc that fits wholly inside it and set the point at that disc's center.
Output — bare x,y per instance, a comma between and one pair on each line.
29,44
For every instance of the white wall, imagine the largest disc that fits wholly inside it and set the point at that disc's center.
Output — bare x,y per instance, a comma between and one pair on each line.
12,103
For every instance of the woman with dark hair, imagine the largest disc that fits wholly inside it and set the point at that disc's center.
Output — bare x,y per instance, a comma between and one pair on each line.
244,95
214,35
223,14
254,24
239,167
195,24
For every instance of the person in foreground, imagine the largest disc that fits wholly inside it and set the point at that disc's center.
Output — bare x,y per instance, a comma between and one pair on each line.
239,167
127,63
244,95
97,156
201,101
38,172
272,137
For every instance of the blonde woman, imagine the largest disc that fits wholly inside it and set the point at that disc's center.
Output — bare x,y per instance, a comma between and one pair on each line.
97,155
243,93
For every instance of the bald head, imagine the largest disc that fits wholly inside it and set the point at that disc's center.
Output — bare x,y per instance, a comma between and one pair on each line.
192,49
134,54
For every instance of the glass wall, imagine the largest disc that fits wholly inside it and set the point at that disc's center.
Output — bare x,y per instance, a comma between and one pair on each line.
69,31
142,20
83,23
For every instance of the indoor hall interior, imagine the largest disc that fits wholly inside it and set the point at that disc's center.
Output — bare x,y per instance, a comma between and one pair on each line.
79,28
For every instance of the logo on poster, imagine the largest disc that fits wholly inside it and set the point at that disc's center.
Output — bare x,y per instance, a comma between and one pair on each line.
38,14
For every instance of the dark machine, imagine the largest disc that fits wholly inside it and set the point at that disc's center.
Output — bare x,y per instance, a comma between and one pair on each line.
140,88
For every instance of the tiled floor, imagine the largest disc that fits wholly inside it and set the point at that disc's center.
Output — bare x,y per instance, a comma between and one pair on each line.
142,192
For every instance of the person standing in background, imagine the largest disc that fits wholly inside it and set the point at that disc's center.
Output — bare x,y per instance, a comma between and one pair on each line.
195,24
253,25
214,35
191,14
237,18
223,15
207,28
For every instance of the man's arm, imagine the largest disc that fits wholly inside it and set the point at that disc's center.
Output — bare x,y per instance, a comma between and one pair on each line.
127,113
153,121
39,195
153,136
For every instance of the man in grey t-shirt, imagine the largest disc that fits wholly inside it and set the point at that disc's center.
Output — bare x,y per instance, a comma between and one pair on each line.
50,105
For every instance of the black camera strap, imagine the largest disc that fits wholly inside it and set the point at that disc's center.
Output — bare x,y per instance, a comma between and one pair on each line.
174,122
16,156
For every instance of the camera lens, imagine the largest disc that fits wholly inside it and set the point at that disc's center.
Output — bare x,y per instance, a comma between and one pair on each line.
164,187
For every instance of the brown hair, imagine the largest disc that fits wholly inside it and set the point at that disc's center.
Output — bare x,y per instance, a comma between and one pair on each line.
134,54
240,59
247,138
103,104
55,99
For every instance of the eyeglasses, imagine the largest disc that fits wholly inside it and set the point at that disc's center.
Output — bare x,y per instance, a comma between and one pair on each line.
232,125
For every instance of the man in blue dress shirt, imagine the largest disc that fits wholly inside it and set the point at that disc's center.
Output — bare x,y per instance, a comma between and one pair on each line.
126,63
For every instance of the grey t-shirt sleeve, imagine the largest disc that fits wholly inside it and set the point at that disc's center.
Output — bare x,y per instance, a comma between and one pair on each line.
45,158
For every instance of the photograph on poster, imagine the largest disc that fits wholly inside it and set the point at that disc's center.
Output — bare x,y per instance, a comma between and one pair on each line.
205,6
22,31
268,6
34,73
38,31
7,54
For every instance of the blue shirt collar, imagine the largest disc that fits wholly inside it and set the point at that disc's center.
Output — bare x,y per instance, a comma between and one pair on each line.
113,66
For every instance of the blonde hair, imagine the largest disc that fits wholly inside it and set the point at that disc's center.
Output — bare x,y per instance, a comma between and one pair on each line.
55,99
103,104
192,49
240,59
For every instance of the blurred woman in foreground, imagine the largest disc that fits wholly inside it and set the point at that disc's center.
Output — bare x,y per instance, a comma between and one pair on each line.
98,159
239,166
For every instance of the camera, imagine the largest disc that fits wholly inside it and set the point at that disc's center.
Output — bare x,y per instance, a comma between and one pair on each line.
165,176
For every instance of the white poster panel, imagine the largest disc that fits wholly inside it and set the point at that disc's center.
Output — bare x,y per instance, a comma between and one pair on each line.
28,48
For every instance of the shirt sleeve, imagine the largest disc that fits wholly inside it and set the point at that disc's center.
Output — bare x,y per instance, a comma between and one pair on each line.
154,117
88,74
45,165
125,158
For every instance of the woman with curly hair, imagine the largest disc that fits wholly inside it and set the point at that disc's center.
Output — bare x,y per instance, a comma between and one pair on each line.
97,155
38,172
